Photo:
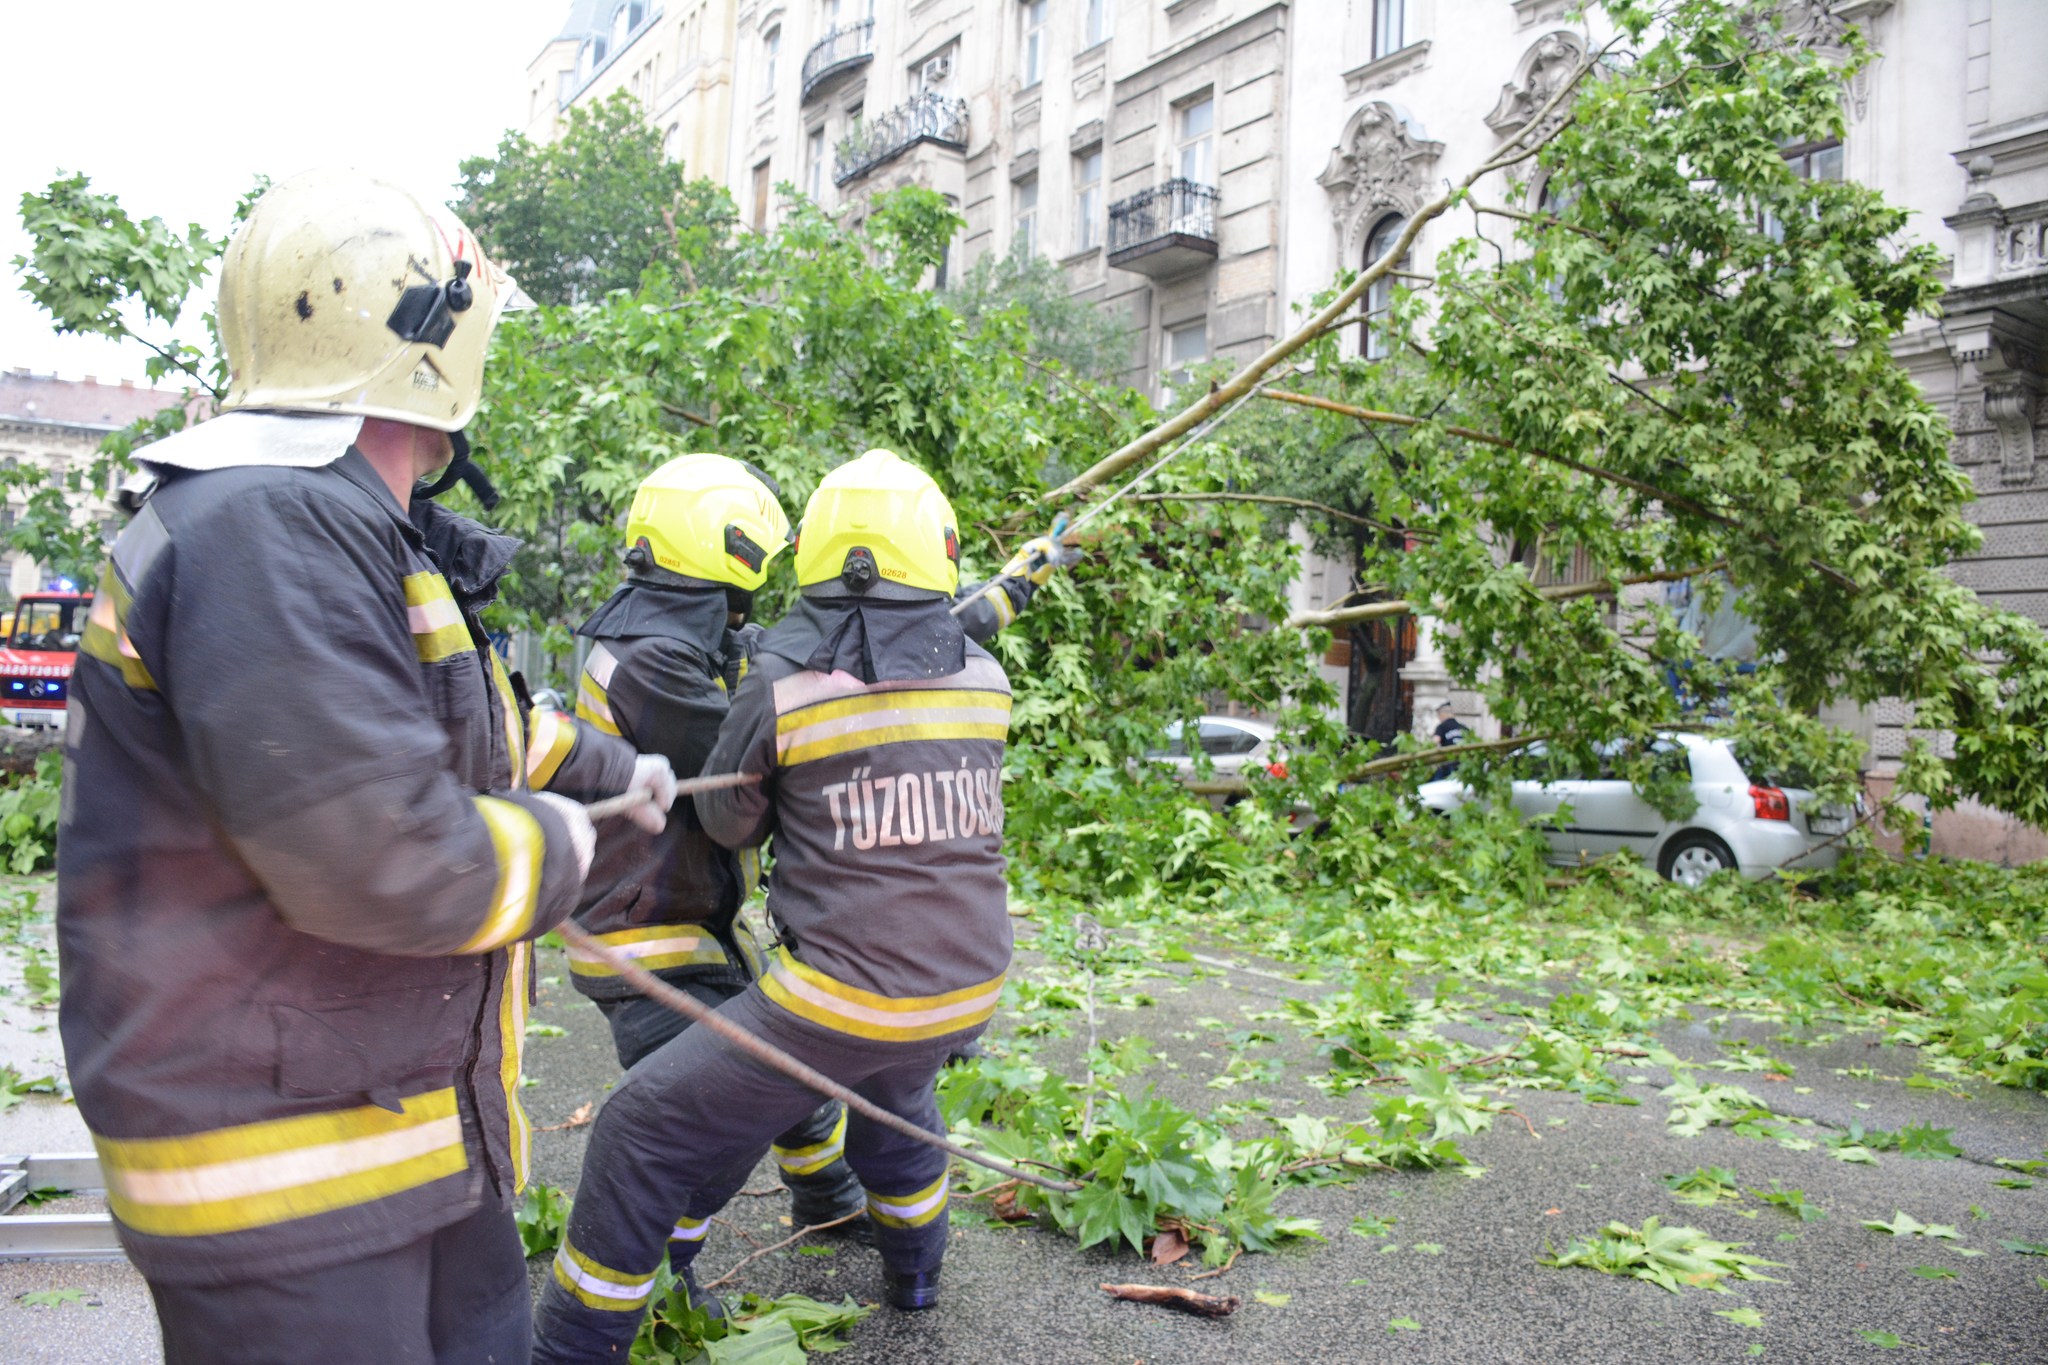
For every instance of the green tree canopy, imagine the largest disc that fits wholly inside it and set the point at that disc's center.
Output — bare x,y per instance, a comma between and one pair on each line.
583,215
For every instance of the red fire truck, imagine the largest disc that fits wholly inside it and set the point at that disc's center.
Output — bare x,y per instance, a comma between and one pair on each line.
35,663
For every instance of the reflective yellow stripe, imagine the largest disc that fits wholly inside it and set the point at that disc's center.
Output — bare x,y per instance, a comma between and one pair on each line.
749,943
1005,609
816,1157
599,1286
892,734
257,1174
515,733
690,1230
512,1041
868,702
517,839
106,632
810,994
554,735
750,873
594,707
909,1210
438,630
655,947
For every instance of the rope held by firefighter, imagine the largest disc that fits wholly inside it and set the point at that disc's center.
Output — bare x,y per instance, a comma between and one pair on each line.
768,1054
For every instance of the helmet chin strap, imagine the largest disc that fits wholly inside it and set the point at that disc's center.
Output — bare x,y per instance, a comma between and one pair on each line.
463,470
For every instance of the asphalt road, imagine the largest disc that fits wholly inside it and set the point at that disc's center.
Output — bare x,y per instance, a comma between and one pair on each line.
1475,1292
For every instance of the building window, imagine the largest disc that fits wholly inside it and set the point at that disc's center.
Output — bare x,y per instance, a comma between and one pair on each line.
672,142
1374,343
1198,140
1389,27
1816,161
1809,161
1551,203
1088,200
771,50
1186,346
761,197
814,165
622,27
1099,21
1033,12
1026,242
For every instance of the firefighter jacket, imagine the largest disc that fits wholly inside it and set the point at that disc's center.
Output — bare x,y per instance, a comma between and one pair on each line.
656,675
294,930
660,673
878,732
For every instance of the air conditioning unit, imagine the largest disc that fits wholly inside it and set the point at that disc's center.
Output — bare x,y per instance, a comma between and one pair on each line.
937,71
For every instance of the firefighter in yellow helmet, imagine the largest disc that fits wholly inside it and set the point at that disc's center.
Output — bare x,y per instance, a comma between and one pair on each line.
877,730
309,832
665,652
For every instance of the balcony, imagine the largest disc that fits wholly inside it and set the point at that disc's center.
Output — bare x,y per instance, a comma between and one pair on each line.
839,52
927,117
1165,231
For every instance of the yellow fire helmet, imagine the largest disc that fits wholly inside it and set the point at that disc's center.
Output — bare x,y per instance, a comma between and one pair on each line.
342,293
879,520
710,517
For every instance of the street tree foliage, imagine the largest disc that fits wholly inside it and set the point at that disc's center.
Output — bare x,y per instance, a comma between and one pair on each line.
583,215
1075,334
1660,349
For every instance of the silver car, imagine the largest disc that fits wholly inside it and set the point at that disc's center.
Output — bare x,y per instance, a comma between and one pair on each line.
1749,818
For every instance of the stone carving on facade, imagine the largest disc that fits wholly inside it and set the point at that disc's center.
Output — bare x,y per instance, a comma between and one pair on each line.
1543,70
1382,163
2009,365
2011,409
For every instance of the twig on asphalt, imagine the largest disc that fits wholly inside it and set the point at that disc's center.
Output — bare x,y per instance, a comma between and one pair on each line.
796,1236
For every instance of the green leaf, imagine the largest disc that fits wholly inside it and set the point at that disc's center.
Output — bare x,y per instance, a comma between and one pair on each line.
1272,1300
1887,1340
1403,1325
1934,1272
1741,1317
51,1298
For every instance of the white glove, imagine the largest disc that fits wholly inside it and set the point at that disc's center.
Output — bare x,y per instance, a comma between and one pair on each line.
582,834
653,777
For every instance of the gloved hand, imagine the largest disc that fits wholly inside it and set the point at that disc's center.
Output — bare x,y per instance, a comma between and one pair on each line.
582,834
1036,559
653,776
738,654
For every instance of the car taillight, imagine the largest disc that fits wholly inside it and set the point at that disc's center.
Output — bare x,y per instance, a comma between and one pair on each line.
1770,803
1278,770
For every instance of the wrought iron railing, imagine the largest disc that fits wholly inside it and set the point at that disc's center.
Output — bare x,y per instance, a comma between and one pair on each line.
838,51
1178,208
925,117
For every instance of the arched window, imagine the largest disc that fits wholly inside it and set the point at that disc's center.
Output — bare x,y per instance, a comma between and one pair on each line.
622,27
636,12
1374,344
672,142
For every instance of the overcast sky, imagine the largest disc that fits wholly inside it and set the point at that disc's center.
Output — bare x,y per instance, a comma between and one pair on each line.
176,107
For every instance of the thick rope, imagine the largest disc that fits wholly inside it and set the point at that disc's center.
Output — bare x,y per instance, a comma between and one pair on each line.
770,1055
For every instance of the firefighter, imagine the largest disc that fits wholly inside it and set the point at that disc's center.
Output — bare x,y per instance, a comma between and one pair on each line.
669,647
301,860
877,728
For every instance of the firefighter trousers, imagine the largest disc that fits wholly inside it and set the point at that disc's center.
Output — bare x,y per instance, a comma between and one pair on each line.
458,1296
808,1152
684,1131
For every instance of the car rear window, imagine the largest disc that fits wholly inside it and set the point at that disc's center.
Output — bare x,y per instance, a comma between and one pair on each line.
1767,772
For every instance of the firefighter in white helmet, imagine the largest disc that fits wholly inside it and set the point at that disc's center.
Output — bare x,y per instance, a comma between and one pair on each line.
302,860
877,729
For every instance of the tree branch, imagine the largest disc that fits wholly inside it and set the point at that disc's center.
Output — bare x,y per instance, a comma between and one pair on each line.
1238,786
674,411
1560,592
1663,495
1277,500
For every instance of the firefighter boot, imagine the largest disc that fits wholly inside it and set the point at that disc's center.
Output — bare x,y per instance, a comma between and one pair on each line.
826,1196
913,1291
703,1300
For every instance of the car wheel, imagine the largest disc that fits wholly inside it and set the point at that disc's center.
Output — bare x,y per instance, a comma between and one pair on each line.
1692,857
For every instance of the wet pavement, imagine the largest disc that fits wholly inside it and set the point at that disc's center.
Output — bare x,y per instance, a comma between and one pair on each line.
1459,1259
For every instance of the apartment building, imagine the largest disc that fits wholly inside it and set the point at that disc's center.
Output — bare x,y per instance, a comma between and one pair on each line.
675,56
57,425
1203,167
